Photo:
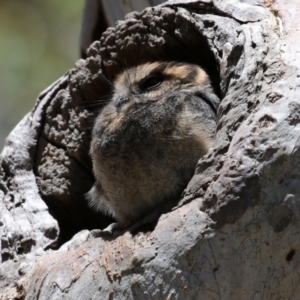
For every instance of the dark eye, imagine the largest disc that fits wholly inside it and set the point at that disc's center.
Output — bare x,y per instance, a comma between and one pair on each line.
151,82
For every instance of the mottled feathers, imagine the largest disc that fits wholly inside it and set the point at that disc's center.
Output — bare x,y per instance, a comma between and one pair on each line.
147,140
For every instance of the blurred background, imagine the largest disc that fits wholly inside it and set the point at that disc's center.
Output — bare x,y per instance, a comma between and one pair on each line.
39,42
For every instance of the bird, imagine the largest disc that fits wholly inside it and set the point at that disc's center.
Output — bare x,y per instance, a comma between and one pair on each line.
146,141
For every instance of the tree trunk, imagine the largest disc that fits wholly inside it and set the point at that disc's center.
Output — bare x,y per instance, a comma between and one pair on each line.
100,14
233,234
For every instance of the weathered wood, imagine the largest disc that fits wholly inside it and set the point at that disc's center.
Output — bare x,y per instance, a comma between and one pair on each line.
234,235
100,14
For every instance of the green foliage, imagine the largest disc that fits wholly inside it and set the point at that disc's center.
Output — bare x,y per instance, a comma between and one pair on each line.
39,43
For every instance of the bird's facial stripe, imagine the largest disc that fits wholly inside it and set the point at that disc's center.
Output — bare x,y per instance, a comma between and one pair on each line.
135,75
138,77
187,74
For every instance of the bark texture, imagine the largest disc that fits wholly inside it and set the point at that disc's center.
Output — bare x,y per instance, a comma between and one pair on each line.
234,234
100,14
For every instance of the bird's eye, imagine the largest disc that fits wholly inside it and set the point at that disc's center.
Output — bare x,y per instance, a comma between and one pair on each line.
151,82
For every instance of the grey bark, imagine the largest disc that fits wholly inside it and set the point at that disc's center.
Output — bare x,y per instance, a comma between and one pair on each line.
234,234
100,14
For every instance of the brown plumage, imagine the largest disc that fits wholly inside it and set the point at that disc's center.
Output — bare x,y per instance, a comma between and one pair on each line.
147,140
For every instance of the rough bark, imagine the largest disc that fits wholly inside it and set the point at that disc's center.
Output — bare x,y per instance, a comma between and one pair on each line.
233,234
100,14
